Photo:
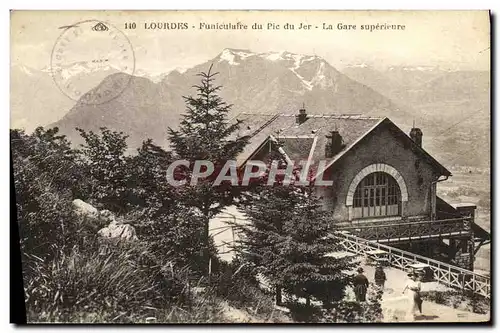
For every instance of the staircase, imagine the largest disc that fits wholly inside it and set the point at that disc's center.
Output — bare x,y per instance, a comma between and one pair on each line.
446,274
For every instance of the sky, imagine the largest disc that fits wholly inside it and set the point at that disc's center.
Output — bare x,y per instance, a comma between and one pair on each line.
457,40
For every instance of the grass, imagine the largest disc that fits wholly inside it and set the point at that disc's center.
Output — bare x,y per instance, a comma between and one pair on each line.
458,300
106,282
124,282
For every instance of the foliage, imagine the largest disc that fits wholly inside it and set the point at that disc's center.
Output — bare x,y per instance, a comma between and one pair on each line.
205,134
71,275
115,282
105,167
178,236
44,165
372,309
204,131
466,301
347,311
236,283
287,241
43,151
147,174
304,313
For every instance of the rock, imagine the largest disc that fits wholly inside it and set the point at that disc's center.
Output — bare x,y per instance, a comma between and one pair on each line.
114,230
107,216
84,209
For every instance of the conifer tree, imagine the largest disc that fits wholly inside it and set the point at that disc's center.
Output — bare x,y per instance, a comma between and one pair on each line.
287,240
205,133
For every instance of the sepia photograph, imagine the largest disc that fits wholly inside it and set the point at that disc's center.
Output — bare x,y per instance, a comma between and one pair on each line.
278,167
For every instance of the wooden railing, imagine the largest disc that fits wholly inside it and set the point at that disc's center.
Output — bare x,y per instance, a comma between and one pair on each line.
410,230
446,274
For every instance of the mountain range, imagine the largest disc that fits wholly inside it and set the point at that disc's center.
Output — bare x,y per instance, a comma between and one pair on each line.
268,83
453,107
257,83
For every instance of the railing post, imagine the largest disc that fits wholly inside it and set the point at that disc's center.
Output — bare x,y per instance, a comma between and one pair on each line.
473,283
449,275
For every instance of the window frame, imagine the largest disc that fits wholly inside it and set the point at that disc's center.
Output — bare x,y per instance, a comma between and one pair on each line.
377,195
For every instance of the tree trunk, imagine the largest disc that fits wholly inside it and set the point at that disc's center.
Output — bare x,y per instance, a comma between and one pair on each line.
206,239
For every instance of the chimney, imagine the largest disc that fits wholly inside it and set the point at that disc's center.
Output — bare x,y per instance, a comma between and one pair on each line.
334,144
302,116
416,135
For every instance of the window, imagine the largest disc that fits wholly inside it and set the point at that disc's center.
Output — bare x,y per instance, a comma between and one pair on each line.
378,194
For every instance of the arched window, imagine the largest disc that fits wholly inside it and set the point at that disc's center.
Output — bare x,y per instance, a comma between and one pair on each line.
377,194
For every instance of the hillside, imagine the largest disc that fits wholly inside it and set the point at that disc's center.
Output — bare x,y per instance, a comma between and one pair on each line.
452,108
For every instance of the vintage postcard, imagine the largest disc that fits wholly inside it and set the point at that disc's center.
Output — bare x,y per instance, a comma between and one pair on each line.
251,166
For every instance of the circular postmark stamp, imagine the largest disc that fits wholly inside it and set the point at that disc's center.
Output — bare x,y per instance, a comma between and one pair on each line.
85,55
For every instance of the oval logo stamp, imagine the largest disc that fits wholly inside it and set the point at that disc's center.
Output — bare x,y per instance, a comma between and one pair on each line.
85,54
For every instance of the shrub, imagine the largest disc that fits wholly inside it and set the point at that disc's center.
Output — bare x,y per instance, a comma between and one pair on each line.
236,283
107,282
43,166
465,301
301,312
104,165
178,236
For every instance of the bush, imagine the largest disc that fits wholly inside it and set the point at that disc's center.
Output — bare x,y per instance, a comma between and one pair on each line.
301,312
105,282
236,283
178,236
458,300
43,165
104,164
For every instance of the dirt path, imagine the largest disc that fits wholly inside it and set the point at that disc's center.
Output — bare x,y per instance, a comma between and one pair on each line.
395,304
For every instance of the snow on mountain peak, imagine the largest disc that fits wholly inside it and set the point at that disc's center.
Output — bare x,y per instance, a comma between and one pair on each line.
292,61
232,56
362,65
229,56
414,68
24,69
284,55
82,67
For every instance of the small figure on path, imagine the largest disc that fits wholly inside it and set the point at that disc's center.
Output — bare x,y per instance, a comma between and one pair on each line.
360,285
415,301
380,277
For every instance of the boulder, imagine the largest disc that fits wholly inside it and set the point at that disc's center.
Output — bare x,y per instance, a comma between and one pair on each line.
115,230
107,216
84,209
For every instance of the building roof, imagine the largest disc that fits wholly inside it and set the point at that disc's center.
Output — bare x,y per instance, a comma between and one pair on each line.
308,140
